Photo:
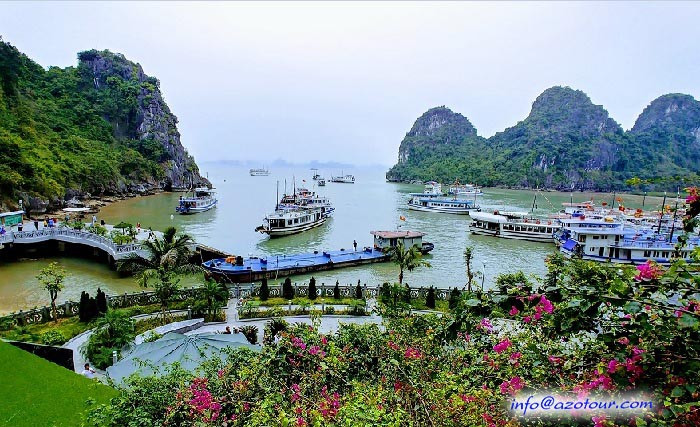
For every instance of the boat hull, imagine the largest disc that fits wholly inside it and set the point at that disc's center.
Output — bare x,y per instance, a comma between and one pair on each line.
532,237
255,269
441,209
194,210
281,232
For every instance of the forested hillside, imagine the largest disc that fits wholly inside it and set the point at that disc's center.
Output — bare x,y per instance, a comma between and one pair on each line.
99,128
566,142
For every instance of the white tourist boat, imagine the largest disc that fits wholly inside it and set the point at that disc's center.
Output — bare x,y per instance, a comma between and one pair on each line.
621,243
259,172
464,190
287,220
433,200
513,225
201,200
343,179
321,181
305,199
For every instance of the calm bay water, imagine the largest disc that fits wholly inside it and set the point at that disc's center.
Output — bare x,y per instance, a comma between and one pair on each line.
369,204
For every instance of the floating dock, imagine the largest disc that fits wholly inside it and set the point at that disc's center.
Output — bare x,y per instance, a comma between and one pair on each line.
242,270
245,270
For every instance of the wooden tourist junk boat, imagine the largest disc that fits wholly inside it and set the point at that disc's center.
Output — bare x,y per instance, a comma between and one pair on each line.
432,199
201,200
513,225
236,269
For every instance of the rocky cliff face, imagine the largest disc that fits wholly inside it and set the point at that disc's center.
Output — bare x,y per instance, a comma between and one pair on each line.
148,117
566,137
437,126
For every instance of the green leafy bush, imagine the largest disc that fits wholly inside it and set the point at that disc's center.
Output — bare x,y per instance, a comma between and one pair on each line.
112,332
52,338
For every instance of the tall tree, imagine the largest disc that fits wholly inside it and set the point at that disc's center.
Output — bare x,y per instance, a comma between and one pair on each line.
313,292
408,259
166,258
214,295
264,290
51,278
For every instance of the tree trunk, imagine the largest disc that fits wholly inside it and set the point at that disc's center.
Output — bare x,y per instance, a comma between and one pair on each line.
401,276
53,310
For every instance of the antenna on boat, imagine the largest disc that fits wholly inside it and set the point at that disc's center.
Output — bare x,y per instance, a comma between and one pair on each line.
661,215
277,198
613,203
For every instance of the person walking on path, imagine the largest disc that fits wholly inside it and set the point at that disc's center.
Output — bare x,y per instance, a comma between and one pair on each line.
94,220
88,372
354,245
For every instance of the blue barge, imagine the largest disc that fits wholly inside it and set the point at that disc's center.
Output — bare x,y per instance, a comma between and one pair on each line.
243,270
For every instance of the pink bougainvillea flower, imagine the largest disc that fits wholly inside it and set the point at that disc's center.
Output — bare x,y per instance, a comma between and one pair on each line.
412,353
516,355
527,319
486,324
546,305
513,310
502,346
612,366
624,341
598,421
512,386
649,271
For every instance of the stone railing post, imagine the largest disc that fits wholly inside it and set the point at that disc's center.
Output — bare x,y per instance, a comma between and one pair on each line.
189,312
115,358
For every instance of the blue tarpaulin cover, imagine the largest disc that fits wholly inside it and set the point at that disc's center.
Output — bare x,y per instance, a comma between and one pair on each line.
569,245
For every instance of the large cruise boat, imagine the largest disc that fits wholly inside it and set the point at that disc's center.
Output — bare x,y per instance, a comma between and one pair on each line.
287,220
201,200
433,200
305,199
513,225
622,244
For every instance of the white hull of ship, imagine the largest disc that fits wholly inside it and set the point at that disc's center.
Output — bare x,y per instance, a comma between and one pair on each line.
516,235
441,209
287,231
198,209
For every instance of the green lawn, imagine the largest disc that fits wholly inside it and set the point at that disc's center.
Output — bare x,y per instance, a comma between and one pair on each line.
37,393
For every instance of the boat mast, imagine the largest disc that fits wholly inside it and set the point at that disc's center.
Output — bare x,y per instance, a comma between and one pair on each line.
277,197
673,224
532,210
613,203
661,215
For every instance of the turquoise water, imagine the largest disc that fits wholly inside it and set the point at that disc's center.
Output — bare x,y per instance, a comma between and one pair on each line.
369,204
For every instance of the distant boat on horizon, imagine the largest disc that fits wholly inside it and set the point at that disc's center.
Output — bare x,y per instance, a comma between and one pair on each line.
259,172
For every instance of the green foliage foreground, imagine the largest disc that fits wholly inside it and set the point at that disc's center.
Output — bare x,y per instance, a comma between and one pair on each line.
584,329
36,392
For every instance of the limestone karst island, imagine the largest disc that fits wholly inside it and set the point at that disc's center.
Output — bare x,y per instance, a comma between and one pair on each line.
295,214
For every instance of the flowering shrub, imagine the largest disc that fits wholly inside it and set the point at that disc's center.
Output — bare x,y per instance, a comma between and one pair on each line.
583,329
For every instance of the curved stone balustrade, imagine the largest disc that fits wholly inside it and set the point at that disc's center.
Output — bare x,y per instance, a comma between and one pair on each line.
68,235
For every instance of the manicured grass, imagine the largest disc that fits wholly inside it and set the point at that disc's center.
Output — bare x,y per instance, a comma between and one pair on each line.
300,300
36,393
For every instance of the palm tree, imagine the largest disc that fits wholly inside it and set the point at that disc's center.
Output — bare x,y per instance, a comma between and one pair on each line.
214,295
468,258
166,259
407,259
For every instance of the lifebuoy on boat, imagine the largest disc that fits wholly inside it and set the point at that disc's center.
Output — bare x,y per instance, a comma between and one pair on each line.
537,222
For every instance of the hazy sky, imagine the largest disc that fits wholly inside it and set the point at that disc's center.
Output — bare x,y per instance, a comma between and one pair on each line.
345,82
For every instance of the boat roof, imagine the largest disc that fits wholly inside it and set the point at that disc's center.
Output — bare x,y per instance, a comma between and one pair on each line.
483,216
4,214
397,234
76,209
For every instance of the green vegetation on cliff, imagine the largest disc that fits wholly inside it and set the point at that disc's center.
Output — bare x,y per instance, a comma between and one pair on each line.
84,129
566,142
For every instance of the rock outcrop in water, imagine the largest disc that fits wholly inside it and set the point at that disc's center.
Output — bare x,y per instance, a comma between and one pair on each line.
99,129
566,142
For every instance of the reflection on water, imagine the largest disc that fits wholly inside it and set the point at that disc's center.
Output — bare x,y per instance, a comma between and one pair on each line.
369,204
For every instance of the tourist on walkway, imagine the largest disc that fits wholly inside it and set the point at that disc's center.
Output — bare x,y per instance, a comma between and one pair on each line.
36,224
88,372
94,220
228,330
